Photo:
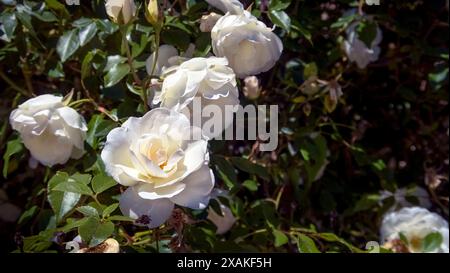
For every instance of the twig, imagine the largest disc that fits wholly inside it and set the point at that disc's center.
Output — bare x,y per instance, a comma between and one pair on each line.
13,85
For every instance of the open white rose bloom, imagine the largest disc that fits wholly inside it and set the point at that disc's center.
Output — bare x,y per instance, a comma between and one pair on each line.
161,163
248,44
52,132
121,11
415,224
208,79
357,51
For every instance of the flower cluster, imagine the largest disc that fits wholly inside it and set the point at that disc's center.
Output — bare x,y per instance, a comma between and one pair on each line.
161,157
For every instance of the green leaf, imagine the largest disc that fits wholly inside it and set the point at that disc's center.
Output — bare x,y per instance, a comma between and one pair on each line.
305,154
310,70
116,74
176,37
226,171
366,202
279,4
343,21
250,167
45,16
215,205
281,19
138,48
57,72
68,43
81,178
94,232
120,218
13,147
303,31
403,238
8,25
26,216
438,76
61,202
306,245
431,242
251,185
86,64
280,238
331,237
110,209
54,4
367,31
88,211
87,33
71,224
102,182
73,186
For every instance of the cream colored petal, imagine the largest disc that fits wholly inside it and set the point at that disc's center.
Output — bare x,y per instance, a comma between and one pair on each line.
132,205
198,188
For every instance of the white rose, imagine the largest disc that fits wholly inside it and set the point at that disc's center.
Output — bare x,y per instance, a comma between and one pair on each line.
248,44
415,224
208,79
357,51
120,11
154,156
225,221
208,21
231,6
251,88
51,131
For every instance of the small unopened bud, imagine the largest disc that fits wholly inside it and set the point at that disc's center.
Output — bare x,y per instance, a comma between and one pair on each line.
207,22
251,88
121,11
153,15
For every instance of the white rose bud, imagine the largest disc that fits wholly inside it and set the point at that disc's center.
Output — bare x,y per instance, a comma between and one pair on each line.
248,44
207,22
357,51
252,88
155,156
121,11
51,131
208,79
225,221
415,224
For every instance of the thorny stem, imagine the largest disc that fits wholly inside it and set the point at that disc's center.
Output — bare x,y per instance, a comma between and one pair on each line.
27,76
155,57
133,71
97,107
241,238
